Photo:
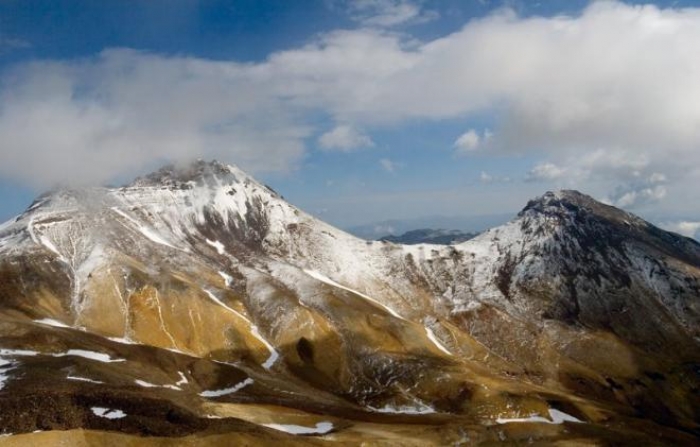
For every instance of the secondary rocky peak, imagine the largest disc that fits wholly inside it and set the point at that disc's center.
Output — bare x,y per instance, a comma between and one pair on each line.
577,218
569,202
573,208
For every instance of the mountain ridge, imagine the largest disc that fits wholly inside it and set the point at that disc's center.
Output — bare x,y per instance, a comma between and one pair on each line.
204,262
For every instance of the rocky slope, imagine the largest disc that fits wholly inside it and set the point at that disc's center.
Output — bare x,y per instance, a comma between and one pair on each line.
197,304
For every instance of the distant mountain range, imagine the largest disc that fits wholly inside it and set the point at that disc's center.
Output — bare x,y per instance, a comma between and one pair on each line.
466,224
429,236
195,306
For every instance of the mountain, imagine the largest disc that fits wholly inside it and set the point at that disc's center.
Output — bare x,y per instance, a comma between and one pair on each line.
196,306
375,230
429,236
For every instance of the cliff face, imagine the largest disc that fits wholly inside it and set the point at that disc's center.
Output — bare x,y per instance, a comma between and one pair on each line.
197,302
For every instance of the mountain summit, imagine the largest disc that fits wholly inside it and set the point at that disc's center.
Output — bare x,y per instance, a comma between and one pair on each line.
195,302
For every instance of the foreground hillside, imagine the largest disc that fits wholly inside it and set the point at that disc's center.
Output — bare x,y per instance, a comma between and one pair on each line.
195,305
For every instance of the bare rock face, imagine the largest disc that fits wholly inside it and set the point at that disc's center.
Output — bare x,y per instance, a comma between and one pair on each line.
195,304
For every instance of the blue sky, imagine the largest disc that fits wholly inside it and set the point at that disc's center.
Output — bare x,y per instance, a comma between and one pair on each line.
361,111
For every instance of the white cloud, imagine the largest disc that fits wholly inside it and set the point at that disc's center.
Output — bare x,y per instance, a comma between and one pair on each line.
640,191
468,141
684,227
471,141
344,138
546,172
89,120
388,13
484,177
607,96
634,198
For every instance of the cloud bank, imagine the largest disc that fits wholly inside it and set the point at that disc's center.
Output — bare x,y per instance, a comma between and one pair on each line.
610,95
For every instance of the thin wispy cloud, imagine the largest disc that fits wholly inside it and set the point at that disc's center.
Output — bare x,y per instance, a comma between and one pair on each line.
389,166
390,13
485,177
8,44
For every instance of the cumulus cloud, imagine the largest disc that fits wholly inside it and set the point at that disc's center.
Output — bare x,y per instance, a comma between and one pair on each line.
471,140
640,191
88,120
545,171
634,198
344,138
608,94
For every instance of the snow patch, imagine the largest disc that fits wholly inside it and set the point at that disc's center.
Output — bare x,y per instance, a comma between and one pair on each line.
145,384
431,335
225,391
150,234
42,240
321,428
418,408
556,417
274,355
91,355
472,306
83,379
48,244
183,380
122,340
213,297
17,352
51,322
228,279
217,245
5,367
316,275
108,413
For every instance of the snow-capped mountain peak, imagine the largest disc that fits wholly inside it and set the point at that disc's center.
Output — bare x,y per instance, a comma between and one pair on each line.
213,172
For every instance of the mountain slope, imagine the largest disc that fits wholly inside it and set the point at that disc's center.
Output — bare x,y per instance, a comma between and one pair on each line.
195,298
